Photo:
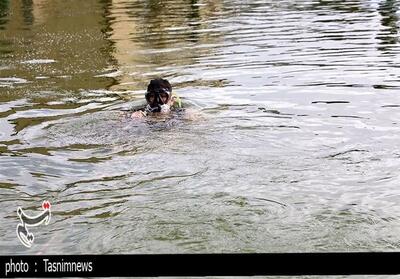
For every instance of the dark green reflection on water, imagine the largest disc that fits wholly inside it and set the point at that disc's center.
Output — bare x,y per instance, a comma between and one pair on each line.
284,88
56,44
27,11
3,13
84,40
4,45
348,6
389,33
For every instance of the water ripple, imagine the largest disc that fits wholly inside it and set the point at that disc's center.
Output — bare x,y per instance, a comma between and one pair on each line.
289,142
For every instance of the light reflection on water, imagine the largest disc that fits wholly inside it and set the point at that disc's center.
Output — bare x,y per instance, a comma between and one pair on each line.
294,145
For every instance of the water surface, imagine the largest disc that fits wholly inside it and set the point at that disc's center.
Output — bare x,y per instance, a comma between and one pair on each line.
295,147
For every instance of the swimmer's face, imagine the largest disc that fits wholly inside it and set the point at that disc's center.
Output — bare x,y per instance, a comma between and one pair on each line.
152,98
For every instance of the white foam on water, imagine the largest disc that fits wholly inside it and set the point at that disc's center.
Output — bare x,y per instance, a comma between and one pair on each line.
112,74
13,80
10,81
39,61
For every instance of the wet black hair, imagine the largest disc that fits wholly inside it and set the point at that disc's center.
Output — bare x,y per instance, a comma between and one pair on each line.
159,85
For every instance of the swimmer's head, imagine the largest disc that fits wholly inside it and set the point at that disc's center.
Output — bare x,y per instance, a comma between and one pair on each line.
158,94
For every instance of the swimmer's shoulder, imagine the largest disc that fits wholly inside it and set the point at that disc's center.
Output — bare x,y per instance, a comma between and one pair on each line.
186,109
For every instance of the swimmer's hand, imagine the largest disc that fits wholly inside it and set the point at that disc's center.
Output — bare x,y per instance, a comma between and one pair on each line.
138,114
165,108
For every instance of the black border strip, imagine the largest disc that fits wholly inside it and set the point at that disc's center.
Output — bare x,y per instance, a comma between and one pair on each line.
152,265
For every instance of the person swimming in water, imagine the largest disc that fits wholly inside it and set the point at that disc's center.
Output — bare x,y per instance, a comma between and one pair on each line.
159,98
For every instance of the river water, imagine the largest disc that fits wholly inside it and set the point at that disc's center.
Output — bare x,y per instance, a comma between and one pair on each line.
294,145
